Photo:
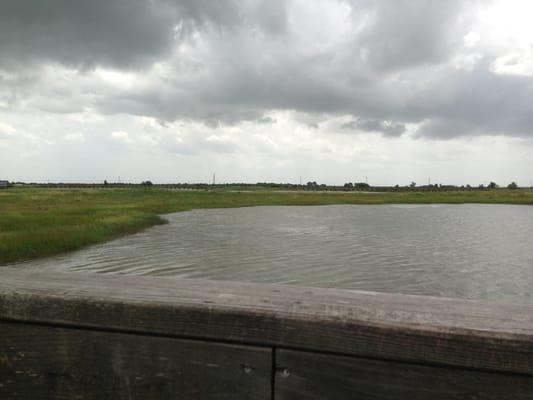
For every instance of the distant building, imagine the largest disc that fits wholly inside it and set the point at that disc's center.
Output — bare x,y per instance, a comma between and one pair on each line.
4,184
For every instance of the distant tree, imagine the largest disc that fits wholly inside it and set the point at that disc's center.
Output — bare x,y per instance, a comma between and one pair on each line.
146,183
105,183
413,184
512,185
348,185
361,186
492,185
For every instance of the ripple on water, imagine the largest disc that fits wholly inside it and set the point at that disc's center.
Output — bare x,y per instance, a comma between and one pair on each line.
468,251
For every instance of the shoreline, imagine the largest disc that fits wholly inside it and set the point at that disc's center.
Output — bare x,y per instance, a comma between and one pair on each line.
38,223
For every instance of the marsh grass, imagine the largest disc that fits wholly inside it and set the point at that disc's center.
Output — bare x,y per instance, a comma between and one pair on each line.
42,222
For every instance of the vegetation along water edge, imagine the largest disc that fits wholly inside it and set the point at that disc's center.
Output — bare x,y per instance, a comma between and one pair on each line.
38,222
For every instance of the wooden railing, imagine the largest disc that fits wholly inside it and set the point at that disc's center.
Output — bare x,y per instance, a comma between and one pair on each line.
90,336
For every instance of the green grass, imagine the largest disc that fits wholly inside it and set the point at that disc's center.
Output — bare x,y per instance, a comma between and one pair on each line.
42,222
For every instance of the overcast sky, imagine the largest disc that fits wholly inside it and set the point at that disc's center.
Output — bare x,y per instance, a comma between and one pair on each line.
329,90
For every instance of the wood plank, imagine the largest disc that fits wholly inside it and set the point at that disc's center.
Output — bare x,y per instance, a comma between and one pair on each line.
312,376
39,362
398,327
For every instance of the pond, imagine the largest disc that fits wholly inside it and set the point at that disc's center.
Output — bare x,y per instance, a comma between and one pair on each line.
463,251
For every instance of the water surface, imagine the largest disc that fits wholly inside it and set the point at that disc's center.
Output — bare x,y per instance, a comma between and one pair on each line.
464,251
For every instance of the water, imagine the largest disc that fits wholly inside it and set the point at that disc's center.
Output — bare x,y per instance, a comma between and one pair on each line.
463,251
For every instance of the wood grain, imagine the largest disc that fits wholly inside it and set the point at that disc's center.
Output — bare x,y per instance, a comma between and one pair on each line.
39,362
456,333
310,376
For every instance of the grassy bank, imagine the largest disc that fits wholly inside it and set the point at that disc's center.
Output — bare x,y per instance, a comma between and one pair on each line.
42,222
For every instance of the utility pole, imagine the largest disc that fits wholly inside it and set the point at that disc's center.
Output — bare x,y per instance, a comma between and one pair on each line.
213,179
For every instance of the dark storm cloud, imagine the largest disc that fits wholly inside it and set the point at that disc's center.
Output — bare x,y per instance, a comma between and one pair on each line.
239,60
113,32
121,33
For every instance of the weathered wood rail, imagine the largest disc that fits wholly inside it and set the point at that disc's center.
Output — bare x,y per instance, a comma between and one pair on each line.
78,336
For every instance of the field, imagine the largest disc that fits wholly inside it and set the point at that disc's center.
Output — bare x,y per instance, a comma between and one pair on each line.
42,222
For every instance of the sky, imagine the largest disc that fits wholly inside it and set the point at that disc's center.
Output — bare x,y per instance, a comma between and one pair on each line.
331,91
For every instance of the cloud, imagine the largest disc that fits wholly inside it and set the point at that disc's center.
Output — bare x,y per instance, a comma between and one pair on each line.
118,33
266,120
220,144
406,33
98,32
121,136
385,65
479,103
370,125
7,130
74,137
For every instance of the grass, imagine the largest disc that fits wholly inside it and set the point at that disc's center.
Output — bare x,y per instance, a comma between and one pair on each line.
42,222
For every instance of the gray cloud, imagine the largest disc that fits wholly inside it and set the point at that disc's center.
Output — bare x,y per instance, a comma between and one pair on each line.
479,102
120,33
371,125
88,33
405,33
266,120
230,61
